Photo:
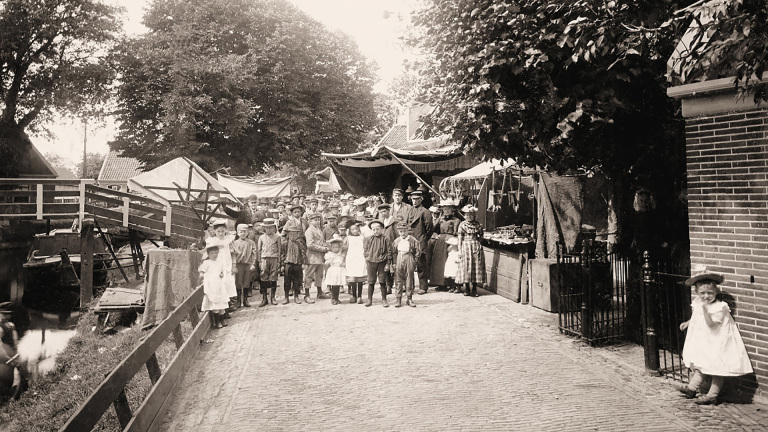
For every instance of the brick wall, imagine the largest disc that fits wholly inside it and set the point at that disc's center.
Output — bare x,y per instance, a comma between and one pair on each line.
727,159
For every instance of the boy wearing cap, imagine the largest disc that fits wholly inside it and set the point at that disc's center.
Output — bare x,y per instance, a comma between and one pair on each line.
331,229
316,249
269,249
390,232
245,261
294,252
378,253
407,248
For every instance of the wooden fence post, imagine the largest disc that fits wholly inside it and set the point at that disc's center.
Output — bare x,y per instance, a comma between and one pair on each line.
86,263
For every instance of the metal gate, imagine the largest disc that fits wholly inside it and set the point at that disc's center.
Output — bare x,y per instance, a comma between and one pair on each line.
665,304
593,293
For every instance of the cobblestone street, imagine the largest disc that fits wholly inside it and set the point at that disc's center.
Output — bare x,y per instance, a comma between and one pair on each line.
452,363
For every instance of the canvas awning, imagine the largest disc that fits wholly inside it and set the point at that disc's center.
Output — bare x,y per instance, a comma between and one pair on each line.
178,180
242,186
380,168
485,169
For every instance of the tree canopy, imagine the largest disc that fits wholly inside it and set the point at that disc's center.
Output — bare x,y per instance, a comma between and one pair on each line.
243,84
561,85
51,58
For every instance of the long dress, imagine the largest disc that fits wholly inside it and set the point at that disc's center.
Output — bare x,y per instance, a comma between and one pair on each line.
447,228
355,262
472,266
215,297
225,256
718,350
336,274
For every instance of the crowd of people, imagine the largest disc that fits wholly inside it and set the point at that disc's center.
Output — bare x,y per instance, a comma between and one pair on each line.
324,245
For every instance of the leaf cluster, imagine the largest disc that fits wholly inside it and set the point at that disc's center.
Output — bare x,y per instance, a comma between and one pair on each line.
561,85
723,39
241,84
52,59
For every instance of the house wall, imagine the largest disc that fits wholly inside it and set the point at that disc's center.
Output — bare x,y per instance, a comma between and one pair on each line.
727,161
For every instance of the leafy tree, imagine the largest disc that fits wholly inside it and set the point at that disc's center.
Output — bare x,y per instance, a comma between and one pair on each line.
93,164
246,84
560,85
50,58
726,39
55,160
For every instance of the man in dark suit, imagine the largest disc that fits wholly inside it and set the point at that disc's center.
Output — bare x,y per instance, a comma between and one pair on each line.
422,228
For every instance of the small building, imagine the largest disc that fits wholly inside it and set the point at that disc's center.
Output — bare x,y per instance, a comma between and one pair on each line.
116,170
727,162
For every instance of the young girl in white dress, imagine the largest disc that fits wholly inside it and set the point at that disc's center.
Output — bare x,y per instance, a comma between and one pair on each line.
223,240
335,262
713,345
357,274
215,298
452,264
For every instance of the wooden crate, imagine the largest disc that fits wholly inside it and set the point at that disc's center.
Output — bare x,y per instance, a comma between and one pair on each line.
507,274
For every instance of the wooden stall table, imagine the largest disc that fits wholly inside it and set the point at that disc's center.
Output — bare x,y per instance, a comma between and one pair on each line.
506,266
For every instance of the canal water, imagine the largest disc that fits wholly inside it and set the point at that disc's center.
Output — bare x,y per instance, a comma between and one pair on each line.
12,285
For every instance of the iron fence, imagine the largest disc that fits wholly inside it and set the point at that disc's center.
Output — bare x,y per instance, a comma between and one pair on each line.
665,304
593,293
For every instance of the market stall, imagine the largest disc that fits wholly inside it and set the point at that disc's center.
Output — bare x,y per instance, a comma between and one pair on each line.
504,195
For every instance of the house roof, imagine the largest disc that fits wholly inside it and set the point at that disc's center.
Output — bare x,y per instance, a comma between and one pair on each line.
30,163
396,137
64,173
119,168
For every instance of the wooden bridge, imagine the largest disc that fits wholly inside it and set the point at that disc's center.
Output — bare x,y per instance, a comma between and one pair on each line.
177,223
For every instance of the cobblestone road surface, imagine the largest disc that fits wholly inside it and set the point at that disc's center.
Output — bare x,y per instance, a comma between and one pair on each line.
453,363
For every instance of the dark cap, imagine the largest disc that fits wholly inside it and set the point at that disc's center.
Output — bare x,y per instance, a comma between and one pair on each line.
397,190
253,198
417,194
384,206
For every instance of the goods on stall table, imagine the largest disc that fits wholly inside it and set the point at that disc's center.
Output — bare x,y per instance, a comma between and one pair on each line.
511,234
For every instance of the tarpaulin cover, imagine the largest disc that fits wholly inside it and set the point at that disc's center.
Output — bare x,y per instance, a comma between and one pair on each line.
171,276
242,187
560,201
368,181
176,175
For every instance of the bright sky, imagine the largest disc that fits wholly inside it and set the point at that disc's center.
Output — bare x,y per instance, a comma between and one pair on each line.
376,25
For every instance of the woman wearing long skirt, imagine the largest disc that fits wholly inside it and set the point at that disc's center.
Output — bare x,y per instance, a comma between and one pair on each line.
471,258
446,228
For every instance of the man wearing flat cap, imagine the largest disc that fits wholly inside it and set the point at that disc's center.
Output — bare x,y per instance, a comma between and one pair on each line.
249,214
390,232
401,210
422,228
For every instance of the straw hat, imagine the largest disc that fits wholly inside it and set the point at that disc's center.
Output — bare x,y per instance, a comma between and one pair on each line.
699,273
218,222
360,201
469,208
268,222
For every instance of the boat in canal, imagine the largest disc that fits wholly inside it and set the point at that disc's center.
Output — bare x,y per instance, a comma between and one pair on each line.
52,270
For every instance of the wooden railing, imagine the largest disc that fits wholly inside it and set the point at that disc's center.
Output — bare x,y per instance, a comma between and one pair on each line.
112,390
63,199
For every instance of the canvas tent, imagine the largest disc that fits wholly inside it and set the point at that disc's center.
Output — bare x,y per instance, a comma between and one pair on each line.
242,187
180,180
326,181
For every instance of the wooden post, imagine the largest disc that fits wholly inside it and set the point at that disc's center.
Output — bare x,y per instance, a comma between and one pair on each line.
39,201
81,211
86,263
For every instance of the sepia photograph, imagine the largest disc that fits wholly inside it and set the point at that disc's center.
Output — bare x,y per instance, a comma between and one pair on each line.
383,215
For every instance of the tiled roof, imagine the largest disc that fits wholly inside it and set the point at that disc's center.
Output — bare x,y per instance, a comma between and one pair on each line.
396,137
119,168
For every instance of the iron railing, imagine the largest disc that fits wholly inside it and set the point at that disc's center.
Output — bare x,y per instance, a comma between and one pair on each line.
665,304
593,293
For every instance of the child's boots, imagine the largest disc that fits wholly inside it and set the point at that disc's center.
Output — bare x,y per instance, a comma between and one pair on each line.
352,292
307,298
384,296
273,290
370,295
359,292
